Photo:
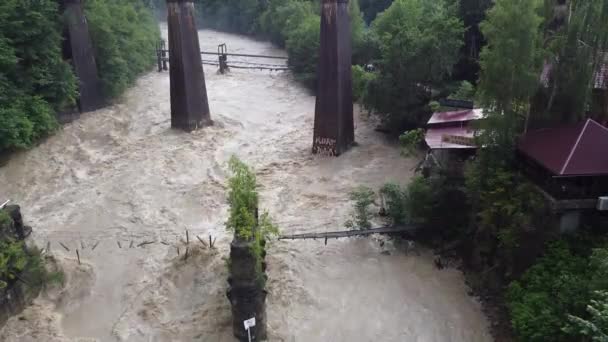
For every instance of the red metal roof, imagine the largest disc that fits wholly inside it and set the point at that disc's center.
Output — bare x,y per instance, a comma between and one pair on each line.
456,116
575,150
435,137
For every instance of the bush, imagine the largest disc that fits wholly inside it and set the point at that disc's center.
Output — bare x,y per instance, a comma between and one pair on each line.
466,91
419,42
596,327
505,203
362,197
124,34
303,48
558,284
412,141
395,202
20,263
243,200
361,79
35,81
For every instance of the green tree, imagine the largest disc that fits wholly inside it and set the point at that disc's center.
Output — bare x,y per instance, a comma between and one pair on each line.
362,197
466,91
578,49
554,286
124,34
596,326
511,64
303,49
371,8
34,80
419,43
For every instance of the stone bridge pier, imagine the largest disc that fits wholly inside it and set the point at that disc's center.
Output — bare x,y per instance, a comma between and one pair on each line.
189,103
334,130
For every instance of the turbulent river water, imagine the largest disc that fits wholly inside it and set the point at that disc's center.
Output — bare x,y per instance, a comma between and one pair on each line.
121,176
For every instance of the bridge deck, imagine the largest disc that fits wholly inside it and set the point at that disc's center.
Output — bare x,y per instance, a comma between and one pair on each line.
351,233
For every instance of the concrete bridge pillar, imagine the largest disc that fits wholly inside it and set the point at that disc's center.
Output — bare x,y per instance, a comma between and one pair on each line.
78,48
189,103
334,130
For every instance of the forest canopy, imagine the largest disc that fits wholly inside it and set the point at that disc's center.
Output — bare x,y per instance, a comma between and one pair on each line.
36,82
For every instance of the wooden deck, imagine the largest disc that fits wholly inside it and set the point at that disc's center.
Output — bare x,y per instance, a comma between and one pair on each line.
351,233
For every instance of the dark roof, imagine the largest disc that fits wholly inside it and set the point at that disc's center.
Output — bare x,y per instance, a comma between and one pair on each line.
456,116
575,150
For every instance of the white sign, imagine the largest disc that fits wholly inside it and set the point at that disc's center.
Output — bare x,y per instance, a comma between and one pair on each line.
250,323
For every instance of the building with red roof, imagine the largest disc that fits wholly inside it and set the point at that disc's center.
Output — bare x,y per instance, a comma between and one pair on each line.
452,130
570,166
450,136
569,162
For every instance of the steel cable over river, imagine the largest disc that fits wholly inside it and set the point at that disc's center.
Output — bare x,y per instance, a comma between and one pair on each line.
124,171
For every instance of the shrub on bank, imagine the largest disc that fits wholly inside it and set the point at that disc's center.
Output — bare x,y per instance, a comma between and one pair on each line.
19,263
34,80
124,34
559,285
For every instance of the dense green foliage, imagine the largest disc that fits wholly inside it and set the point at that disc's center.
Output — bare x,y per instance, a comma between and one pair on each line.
243,199
596,327
371,8
34,80
124,34
505,203
362,197
419,43
229,15
466,91
411,204
411,141
21,263
577,49
293,24
511,64
560,284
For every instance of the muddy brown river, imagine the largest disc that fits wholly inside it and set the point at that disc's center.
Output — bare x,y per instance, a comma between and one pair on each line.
121,176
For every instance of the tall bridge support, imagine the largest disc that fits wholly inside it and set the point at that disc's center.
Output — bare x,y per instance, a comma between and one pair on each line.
78,49
189,103
334,130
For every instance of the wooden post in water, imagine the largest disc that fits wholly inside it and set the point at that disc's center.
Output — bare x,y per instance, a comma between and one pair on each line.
78,48
334,130
189,103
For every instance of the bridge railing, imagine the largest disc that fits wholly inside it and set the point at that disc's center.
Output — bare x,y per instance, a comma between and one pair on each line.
162,56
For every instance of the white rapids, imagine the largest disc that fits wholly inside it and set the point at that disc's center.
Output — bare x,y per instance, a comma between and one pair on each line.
121,175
